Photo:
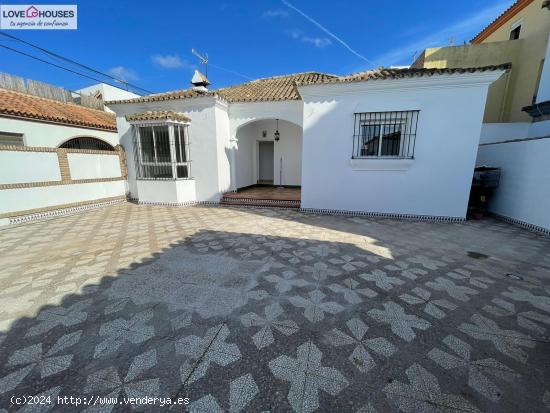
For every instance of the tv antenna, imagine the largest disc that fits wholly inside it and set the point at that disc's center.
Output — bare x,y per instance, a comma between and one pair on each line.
203,59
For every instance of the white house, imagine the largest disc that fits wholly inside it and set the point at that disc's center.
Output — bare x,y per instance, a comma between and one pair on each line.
387,141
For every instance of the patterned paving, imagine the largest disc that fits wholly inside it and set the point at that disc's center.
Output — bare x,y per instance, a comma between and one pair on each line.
263,310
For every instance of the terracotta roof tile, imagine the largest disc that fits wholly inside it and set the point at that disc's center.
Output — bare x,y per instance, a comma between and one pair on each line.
500,20
159,115
22,105
282,88
390,73
262,90
157,97
271,88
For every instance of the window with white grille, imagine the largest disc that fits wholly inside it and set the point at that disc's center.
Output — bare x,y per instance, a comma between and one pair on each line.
385,134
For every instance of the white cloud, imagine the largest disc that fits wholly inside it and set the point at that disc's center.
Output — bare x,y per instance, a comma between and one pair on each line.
123,73
275,13
169,61
327,31
319,42
459,31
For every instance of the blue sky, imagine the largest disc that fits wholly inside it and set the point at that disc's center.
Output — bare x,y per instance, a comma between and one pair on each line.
149,42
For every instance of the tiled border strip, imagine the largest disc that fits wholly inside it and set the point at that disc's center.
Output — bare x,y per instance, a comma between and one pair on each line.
61,210
383,215
174,204
522,224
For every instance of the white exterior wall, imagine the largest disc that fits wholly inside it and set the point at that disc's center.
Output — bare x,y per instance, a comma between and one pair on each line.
524,189
20,167
22,199
289,148
224,148
204,150
108,92
169,192
92,166
30,167
49,135
436,183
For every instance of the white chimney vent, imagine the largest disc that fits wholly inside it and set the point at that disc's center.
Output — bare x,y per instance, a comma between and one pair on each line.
199,82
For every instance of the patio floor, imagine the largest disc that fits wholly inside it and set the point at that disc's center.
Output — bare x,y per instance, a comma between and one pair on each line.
273,310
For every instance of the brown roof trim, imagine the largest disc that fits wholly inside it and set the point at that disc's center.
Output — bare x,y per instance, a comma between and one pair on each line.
509,13
158,97
390,73
166,115
24,106
53,122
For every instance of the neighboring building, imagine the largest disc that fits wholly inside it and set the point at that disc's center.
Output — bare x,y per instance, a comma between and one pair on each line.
106,92
522,150
35,121
56,155
387,141
518,36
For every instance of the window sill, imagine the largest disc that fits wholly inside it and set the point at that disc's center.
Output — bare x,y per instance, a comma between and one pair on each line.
381,164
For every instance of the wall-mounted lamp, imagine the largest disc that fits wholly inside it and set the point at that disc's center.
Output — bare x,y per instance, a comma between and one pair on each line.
277,135
264,134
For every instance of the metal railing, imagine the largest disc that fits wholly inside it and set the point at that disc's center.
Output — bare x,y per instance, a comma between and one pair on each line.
84,142
385,134
162,151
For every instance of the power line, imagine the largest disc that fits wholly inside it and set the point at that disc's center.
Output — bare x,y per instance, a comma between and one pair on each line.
73,62
56,65
231,71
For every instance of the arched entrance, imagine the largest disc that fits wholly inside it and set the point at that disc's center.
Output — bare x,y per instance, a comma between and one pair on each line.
260,159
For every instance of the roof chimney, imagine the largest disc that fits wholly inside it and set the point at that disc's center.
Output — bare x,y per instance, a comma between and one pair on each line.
199,82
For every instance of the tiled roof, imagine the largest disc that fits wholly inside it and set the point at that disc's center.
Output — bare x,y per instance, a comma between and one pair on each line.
160,115
281,88
506,15
391,73
173,95
262,90
22,105
272,88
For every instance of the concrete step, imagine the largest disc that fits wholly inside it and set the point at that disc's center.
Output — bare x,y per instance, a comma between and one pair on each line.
272,203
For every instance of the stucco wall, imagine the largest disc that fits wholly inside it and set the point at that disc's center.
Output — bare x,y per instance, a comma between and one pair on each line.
52,135
20,167
90,166
23,199
40,179
289,148
438,181
526,54
203,132
524,190
534,20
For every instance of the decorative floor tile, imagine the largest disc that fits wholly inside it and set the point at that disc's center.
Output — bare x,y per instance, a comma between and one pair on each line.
274,310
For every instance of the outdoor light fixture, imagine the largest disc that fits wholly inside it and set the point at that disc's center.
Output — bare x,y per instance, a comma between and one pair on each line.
277,135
